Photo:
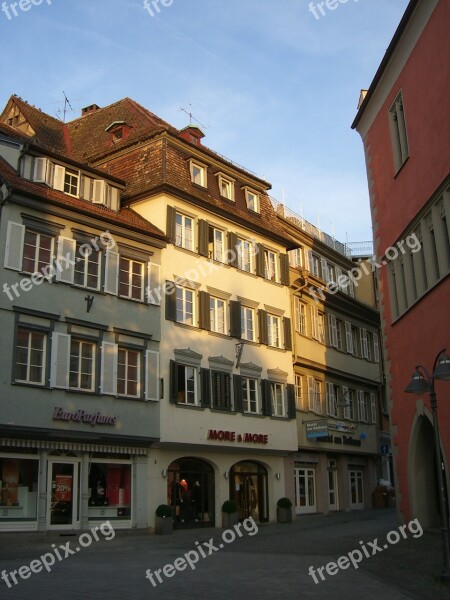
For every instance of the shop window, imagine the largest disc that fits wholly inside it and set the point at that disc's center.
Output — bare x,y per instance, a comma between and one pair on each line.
110,491
18,489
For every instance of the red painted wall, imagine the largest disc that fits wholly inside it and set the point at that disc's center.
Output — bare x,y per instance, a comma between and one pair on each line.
425,329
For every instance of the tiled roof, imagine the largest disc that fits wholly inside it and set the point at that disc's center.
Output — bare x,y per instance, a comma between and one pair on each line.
126,216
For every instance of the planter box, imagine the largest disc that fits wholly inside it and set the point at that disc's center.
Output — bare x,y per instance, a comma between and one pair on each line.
284,515
229,520
163,525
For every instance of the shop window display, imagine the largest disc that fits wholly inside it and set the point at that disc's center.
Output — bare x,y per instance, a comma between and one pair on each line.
110,491
18,489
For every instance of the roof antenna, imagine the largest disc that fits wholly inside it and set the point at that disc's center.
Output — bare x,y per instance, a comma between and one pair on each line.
64,111
192,118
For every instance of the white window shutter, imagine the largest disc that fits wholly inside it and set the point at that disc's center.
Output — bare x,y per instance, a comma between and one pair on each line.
14,246
349,337
373,408
338,275
99,191
310,261
361,411
58,179
40,169
311,393
346,402
26,167
60,363
329,392
314,325
324,267
115,198
376,348
65,260
108,380
154,291
50,173
364,348
112,272
86,188
152,376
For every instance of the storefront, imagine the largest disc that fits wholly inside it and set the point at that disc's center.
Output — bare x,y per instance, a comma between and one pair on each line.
71,486
248,488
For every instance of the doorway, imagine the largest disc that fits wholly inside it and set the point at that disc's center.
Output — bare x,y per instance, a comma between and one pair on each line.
62,494
333,499
305,490
248,488
356,481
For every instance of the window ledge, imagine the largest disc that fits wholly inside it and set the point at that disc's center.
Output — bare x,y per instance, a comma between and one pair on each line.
224,336
184,326
187,251
190,406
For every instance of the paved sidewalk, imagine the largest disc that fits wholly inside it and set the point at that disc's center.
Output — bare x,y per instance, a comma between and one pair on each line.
270,565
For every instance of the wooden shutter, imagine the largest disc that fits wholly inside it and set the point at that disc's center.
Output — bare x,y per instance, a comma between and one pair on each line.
232,249
311,393
65,260
58,178
14,246
170,224
263,329
284,269
40,170
373,408
99,191
114,194
171,301
50,174
376,348
346,401
324,269
332,331
291,410
108,382
314,324
260,260
287,333
203,237
266,398
152,376
235,319
154,290
173,394
205,310
349,337
238,393
86,188
205,379
112,273
361,406
60,363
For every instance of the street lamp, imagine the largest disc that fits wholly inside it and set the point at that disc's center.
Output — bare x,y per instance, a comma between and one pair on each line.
420,383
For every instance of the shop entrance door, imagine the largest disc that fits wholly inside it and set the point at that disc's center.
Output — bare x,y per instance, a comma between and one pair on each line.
356,489
62,494
305,491
248,488
333,503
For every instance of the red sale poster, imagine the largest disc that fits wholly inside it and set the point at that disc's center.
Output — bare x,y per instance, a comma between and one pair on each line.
63,491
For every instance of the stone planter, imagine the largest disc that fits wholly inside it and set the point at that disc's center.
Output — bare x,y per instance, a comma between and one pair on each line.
284,515
163,525
229,520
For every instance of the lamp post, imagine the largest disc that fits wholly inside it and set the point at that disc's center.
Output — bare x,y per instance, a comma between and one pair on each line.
420,383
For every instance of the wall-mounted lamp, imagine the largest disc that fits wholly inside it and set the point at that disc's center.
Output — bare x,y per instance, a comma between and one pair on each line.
226,474
278,475
164,472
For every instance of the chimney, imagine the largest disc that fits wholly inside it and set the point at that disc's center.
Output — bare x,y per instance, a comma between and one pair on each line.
89,109
192,134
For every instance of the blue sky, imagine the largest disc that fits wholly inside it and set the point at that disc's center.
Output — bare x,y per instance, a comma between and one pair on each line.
277,87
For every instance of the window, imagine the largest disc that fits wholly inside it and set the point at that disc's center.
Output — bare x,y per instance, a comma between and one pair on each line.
128,372
87,268
187,385
332,331
314,395
398,132
185,306
317,324
250,395
348,397
252,199
198,174
376,348
37,252
300,316
71,182
218,315
332,399
244,255
216,244
274,331
270,265
131,279
364,343
277,399
31,357
298,391
373,408
184,234
82,365
296,258
355,341
248,324
221,390
226,187
340,334
362,407
314,264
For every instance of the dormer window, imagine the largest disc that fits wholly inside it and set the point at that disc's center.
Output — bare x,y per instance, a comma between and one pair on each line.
198,173
252,199
118,130
71,182
226,186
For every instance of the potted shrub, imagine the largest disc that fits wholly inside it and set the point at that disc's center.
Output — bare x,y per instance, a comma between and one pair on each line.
164,520
284,510
230,515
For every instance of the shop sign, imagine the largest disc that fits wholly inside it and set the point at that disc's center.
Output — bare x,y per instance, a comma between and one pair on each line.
342,427
63,488
232,436
81,416
316,429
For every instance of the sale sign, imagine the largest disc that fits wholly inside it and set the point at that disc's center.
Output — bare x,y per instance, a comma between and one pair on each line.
63,490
